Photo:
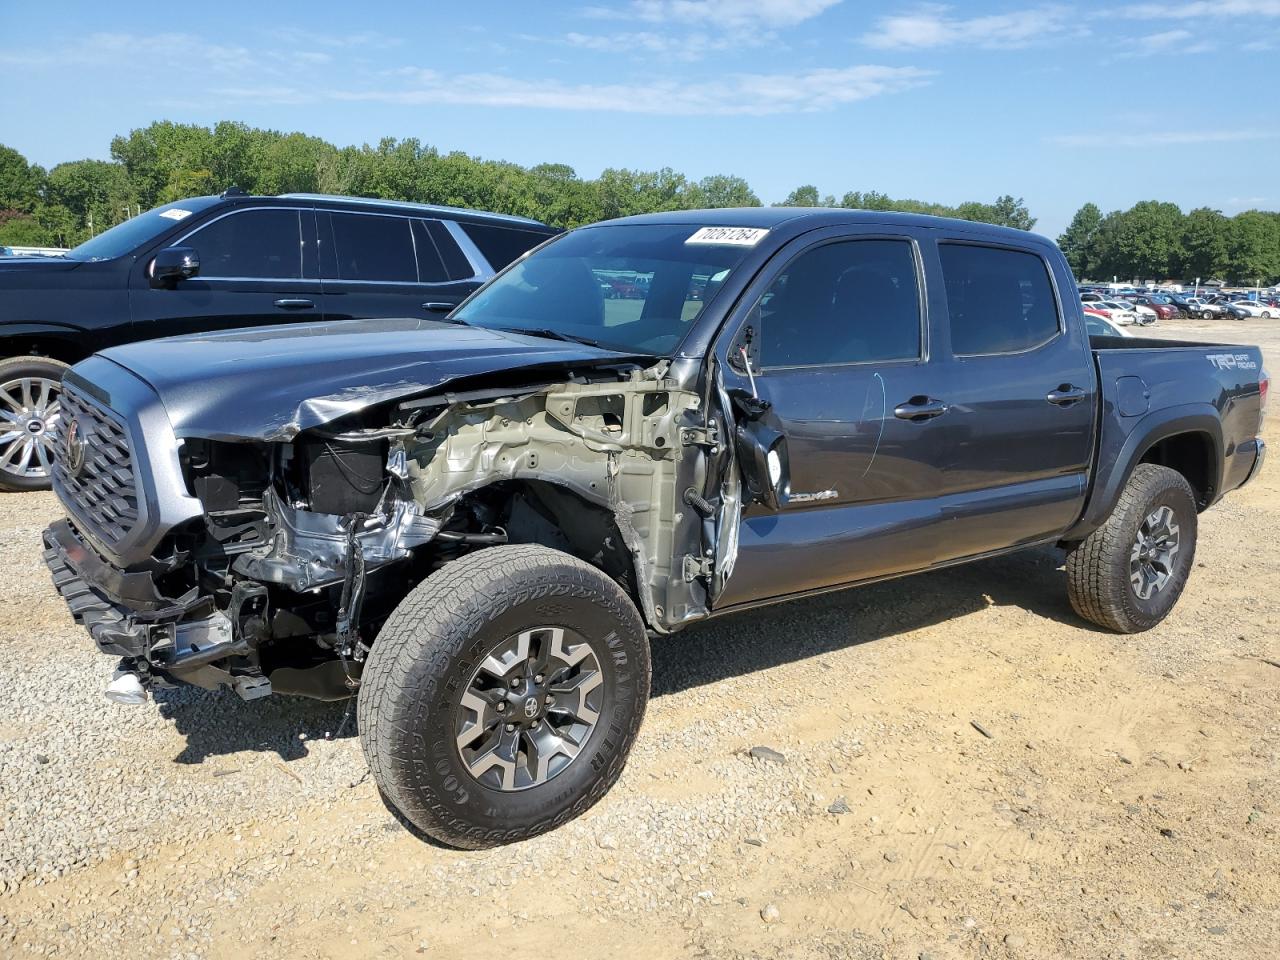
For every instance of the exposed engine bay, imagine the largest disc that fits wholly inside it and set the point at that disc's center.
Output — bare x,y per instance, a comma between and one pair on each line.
306,546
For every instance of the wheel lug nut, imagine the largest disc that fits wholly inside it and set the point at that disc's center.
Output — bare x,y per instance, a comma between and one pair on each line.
538,678
510,727
501,706
550,698
515,682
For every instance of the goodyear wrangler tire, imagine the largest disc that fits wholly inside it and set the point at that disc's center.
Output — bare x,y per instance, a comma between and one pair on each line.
502,696
1128,574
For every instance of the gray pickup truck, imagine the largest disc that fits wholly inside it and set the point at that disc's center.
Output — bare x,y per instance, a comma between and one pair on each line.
475,524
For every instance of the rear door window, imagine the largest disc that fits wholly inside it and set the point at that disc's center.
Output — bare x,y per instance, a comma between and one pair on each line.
374,248
250,244
455,261
501,245
998,300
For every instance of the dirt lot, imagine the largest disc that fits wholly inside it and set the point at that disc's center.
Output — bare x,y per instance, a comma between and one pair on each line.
1124,800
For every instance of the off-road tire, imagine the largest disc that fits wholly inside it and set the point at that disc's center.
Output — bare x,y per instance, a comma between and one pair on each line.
19,368
425,656
1098,571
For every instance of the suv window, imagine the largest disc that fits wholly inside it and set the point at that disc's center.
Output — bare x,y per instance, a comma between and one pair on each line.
501,245
261,244
854,301
455,261
374,247
998,301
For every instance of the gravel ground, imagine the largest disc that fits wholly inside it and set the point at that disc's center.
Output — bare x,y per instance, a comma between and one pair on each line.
961,768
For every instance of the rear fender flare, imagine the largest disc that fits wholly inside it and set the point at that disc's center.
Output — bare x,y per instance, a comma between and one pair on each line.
1116,462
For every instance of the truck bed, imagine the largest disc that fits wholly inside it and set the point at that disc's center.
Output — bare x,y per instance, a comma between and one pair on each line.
1152,387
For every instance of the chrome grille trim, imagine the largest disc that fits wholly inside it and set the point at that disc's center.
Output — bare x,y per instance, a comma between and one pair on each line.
104,496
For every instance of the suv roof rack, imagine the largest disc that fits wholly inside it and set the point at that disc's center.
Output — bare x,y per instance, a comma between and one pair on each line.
427,207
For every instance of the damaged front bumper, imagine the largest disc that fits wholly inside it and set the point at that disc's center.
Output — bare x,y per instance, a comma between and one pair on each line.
160,639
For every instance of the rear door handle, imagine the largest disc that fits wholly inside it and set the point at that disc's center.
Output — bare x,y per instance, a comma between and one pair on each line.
919,409
288,304
437,307
1065,395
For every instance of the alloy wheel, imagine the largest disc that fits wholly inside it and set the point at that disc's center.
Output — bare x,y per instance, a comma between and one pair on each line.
29,415
1155,549
529,708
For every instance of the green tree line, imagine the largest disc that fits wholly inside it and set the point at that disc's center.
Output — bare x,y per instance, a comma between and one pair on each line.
169,161
1156,241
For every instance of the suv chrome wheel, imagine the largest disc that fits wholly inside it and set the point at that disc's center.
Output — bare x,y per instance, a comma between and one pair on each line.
529,708
1154,550
29,414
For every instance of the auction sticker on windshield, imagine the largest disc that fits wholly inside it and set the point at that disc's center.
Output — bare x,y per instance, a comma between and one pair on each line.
729,236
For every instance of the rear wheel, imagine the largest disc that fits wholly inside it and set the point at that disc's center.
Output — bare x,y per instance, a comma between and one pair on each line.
502,696
30,391
1128,574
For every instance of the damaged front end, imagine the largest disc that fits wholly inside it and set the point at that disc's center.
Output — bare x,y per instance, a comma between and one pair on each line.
290,551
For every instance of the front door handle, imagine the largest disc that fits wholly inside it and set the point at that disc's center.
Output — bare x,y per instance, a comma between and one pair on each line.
437,307
1065,395
919,409
288,304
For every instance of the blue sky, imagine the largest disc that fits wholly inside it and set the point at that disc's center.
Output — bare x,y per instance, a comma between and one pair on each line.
1058,103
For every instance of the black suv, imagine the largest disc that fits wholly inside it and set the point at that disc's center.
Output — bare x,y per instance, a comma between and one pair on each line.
234,260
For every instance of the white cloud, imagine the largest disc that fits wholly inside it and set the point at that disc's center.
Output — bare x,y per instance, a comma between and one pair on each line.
932,25
1198,9
733,95
1163,138
690,29
722,13
1155,42
678,46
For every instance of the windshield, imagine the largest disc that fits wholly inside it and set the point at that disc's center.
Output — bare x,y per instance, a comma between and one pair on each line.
128,236
630,288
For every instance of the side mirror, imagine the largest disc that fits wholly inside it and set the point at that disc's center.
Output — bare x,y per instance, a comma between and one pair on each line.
173,264
762,452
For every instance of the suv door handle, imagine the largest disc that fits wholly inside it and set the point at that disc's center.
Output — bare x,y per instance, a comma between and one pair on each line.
437,307
919,409
288,304
1065,395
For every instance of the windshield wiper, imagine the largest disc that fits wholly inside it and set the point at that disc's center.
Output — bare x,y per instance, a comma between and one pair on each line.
553,335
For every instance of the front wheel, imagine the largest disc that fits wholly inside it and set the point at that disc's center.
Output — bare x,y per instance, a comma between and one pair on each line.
1128,574
30,391
1206,315
502,696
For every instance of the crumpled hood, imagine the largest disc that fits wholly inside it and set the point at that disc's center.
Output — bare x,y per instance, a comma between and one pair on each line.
270,383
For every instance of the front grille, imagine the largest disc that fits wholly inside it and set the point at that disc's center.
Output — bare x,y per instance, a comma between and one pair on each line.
103,493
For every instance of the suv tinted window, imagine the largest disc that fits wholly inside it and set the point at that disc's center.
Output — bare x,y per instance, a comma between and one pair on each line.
263,244
455,261
430,267
999,301
849,302
369,247
501,245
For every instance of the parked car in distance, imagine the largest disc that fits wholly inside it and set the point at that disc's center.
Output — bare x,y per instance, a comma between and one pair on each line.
1098,324
475,525
1161,307
210,263
1196,307
1243,309
1120,312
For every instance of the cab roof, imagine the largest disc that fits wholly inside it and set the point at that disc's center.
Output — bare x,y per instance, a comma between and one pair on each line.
799,219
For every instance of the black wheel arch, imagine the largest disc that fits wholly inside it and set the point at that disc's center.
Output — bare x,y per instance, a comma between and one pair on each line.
1186,438
56,341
